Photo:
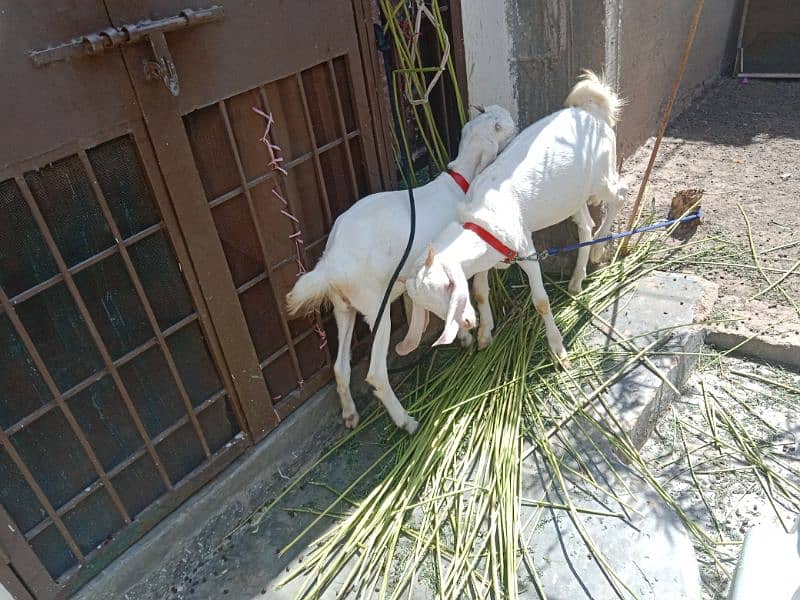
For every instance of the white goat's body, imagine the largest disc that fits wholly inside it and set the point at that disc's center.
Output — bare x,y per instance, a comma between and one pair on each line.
550,172
367,241
365,246
545,175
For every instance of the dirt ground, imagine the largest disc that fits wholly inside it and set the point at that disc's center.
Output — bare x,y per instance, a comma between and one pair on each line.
740,143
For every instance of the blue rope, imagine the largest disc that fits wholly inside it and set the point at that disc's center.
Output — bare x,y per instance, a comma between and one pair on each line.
614,236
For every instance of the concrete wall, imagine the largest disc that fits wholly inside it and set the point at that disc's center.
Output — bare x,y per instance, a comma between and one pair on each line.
652,37
487,49
526,55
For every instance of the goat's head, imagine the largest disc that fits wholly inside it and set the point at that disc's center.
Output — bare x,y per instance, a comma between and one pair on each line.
439,286
485,136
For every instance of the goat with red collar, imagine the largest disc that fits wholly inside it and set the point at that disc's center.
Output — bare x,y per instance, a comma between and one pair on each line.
549,173
365,245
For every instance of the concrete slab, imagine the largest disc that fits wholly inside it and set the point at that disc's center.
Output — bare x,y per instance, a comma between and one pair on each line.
663,304
647,548
650,550
762,330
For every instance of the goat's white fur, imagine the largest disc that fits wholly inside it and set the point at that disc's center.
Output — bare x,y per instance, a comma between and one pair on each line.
546,175
366,244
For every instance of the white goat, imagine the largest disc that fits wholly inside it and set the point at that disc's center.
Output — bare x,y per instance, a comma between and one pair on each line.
365,246
548,173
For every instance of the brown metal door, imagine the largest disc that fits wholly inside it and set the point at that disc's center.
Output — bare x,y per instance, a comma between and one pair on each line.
300,61
115,400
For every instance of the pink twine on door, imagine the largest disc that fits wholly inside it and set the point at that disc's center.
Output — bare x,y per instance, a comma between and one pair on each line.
296,235
274,159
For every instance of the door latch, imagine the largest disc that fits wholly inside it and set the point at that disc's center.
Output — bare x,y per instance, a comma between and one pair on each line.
161,67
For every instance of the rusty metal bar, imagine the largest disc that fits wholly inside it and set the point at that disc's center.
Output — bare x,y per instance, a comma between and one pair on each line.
84,264
306,247
252,283
262,244
295,340
296,397
151,317
287,165
343,130
317,164
185,265
93,44
11,583
101,347
155,512
41,496
27,566
59,400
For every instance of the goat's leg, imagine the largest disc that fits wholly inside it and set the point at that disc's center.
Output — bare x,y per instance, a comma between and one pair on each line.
613,194
345,323
583,220
408,306
480,288
378,376
542,304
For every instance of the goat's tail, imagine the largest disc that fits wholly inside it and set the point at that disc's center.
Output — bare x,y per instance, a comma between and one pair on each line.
594,95
310,292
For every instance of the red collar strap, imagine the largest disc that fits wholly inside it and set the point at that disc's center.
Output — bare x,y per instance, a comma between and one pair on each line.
459,179
492,241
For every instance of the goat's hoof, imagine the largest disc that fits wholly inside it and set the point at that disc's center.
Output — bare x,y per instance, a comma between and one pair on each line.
411,425
597,254
465,339
574,287
484,341
563,360
350,421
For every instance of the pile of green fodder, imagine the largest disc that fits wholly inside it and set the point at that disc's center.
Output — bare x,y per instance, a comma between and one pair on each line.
449,501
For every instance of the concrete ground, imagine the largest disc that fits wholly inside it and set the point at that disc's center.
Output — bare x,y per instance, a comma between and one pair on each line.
739,142
723,493
640,537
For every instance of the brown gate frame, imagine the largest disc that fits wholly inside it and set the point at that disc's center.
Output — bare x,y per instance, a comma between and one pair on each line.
21,572
163,116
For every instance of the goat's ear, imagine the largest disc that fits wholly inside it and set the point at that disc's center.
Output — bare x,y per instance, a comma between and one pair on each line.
479,108
416,327
459,296
431,255
489,151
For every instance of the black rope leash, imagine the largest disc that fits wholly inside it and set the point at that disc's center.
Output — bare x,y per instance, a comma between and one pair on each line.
382,41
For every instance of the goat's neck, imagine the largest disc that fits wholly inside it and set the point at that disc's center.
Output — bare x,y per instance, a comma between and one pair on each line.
466,165
456,244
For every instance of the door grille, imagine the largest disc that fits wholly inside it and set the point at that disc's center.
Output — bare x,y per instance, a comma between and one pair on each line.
316,129
109,396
